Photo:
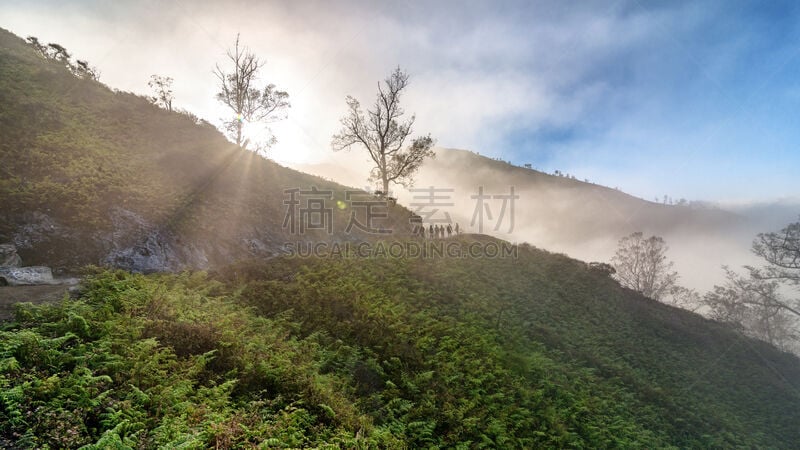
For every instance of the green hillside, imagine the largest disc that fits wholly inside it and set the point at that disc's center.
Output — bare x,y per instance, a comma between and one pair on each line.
93,176
531,352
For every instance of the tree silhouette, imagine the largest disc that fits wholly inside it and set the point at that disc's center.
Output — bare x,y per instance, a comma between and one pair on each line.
239,93
382,133
162,88
781,251
642,265
56,52
758,307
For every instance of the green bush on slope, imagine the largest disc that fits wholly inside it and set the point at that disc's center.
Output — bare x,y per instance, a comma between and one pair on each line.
357,353
164,361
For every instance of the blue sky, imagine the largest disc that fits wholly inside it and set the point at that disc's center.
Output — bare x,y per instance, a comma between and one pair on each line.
691,99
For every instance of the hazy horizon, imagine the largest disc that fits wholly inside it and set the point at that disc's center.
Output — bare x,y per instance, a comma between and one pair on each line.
699,250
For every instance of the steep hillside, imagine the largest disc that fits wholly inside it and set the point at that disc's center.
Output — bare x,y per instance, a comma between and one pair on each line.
536,351
91,176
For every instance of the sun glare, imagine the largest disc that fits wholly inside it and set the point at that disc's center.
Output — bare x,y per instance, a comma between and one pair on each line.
292,146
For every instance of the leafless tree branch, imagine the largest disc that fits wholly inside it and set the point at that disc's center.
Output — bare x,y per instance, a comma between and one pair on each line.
383,134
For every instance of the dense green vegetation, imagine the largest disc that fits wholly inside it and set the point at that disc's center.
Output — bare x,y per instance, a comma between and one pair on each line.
537,351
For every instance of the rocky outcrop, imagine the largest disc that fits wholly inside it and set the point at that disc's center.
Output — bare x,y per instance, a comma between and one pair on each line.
22,276
152,254
12,274
9,256
38,228
40,239
139,246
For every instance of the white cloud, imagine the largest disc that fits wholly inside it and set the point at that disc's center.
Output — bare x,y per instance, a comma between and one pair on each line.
480,71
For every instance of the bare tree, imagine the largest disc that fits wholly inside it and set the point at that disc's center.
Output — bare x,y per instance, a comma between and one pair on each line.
162,90
382,133
684,298
757,307
641,264
781,251
757,303
239,92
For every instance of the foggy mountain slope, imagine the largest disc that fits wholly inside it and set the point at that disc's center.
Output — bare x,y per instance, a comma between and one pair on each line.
567,209
92,176
562,204
583,220
586,220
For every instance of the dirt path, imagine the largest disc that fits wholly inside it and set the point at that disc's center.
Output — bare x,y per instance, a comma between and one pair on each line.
9,295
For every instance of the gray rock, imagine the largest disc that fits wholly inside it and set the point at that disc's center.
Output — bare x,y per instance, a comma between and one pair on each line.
38,228
21,276
138,245
152,254
9,256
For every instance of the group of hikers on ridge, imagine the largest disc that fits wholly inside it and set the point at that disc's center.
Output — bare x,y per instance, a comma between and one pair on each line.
435,231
